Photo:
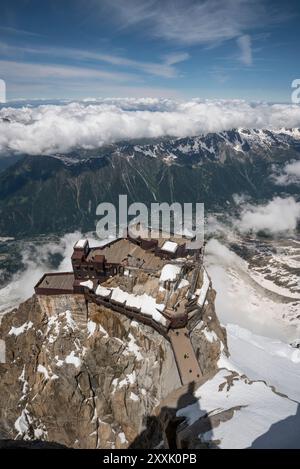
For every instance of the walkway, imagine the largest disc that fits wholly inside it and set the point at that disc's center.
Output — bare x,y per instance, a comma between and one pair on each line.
185,357
187,364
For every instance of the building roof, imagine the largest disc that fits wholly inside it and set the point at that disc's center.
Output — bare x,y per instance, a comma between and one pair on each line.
149,233
58,281
169,246
169,272
81,244
126,252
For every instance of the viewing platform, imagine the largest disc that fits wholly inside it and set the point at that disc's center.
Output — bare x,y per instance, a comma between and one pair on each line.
160,283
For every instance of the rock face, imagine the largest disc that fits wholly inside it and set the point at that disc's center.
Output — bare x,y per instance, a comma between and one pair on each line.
86,377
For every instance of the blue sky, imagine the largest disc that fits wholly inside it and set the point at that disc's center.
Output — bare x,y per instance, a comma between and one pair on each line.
174,49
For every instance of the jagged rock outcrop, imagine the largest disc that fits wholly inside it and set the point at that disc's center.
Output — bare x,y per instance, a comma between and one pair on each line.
86,377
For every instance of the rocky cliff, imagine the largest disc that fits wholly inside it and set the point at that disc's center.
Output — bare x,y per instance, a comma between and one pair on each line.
87,377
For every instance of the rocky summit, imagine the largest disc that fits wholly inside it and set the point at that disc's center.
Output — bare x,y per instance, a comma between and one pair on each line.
91,383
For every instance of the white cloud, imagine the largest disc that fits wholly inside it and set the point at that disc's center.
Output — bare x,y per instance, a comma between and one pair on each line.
32,71
244,43
190,22
176,57
278,216
35,258
163,68
17,32
59,128
2,91
290,174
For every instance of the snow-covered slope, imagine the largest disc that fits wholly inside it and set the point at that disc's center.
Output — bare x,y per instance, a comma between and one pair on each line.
259,295
242,414
215,146
263,358
254,400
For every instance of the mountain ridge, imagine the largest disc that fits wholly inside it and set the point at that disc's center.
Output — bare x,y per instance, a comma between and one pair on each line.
60,193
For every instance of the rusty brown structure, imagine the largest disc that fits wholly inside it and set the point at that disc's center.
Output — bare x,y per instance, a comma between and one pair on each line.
102,262
55,284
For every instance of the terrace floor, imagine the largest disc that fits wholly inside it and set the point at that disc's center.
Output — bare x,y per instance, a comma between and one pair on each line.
59,281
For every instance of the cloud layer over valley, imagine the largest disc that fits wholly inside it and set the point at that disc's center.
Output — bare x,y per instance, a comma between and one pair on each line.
289,175
278,216
36,260
48,129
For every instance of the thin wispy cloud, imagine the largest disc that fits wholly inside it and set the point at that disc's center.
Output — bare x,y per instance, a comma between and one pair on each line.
208,23
164,68
244,43
33,71
176,57
17,32
206,48
191,22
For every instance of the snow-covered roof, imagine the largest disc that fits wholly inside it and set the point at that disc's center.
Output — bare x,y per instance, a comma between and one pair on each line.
146,303
170,246
81,243
183,283
102,291
89,284
169,272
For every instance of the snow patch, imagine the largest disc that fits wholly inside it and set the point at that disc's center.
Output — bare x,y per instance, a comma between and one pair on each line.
88,283
204,289
73,360
20,330
43,370
258,408
211,336
129,380
91,327
22,423
183,283
169,272
133,396
71,324
133,348
122,438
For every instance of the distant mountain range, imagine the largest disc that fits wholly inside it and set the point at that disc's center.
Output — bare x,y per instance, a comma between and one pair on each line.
58,193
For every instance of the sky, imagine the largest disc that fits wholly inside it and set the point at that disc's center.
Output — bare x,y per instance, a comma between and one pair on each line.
180,49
